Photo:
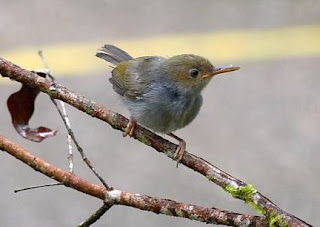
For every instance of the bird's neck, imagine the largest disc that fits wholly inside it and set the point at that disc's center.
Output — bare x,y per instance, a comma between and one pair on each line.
190,92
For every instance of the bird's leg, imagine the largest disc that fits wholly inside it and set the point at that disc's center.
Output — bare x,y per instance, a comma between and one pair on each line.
181,149
130,127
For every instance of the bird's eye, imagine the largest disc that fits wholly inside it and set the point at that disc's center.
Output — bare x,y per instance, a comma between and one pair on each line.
194,73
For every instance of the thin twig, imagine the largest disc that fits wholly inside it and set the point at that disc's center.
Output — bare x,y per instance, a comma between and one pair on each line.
96,216
64,111
38,186
79,148
69,139
66,121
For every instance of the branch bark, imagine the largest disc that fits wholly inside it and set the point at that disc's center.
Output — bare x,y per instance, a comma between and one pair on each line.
118,197
235,187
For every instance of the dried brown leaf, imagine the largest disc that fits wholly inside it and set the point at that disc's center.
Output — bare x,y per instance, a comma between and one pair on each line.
21,108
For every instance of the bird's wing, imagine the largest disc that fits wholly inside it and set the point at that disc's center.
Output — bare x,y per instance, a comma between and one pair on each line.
118,77
131,78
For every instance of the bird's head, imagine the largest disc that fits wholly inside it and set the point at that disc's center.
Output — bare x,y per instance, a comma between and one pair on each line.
192,71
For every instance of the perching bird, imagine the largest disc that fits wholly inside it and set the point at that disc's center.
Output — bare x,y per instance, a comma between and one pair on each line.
163,94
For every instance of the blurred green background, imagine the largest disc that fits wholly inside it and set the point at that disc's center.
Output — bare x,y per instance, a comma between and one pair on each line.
261,124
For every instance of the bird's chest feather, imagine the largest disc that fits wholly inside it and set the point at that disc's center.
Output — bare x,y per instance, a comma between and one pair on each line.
165,109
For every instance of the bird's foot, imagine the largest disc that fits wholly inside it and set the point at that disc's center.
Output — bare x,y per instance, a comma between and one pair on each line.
130,127
181,150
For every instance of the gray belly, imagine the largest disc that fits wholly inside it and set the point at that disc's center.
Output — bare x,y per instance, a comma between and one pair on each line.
165,113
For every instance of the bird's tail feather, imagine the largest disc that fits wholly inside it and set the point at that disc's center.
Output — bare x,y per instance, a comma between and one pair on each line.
113,54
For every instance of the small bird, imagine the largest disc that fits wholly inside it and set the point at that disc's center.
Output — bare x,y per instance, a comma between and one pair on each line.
163,94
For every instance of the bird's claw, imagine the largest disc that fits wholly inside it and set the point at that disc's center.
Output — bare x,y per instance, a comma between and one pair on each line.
130,128
181,150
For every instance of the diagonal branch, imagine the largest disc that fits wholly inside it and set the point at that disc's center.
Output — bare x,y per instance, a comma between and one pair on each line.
96,216
235,187
117,197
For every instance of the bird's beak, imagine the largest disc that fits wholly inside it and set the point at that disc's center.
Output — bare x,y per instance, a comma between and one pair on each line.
218,70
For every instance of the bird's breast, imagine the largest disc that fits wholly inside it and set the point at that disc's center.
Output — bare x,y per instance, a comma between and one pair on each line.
166,109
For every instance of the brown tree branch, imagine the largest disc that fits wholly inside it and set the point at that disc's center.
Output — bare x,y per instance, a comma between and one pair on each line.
117,197
96,216
235,187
